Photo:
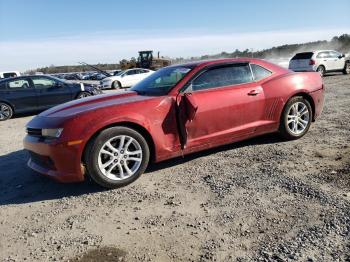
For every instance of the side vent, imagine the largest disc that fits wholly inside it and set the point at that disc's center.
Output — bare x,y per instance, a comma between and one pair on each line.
271,107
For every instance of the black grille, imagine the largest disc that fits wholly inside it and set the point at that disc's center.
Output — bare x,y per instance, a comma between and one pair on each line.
34,131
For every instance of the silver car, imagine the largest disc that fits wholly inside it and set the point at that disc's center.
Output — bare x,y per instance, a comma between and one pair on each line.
322,61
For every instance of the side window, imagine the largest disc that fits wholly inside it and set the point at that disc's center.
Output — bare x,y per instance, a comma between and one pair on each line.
18,84
223,76
131,72
322,55
43,82
260,72
334,54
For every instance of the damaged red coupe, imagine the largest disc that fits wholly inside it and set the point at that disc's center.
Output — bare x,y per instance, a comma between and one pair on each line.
177,110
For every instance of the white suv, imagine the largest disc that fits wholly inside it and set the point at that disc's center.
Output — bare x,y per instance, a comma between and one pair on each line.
322,61
125,78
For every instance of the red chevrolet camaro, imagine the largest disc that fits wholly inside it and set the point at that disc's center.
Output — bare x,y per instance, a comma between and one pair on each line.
177,110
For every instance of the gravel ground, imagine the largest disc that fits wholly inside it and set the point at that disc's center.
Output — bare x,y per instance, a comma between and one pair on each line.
257,200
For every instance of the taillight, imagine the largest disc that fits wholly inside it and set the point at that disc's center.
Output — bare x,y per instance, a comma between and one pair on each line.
312,62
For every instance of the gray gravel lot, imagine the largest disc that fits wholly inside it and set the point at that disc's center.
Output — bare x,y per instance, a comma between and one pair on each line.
258,200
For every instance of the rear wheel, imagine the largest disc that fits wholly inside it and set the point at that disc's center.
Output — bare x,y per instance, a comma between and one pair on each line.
117,157
6,111
321,69
296,118
346,69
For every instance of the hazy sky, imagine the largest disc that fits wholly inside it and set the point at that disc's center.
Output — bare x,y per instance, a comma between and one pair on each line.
40,33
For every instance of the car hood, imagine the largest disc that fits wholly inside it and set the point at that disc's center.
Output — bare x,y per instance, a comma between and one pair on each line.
93,103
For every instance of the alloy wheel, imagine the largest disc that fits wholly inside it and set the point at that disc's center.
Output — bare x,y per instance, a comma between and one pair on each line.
120,157
298,118
5,111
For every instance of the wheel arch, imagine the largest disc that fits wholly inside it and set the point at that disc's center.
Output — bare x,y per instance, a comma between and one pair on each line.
118,81
8,103
80,92
308,98
137,127
325,69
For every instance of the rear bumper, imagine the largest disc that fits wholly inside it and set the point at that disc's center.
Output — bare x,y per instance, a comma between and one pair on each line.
318,98
56,160
303,69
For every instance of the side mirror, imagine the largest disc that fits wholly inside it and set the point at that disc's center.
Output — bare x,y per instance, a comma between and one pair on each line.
59,84
341,56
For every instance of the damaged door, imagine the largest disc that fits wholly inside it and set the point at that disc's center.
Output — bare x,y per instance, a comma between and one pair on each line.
220,104
185,112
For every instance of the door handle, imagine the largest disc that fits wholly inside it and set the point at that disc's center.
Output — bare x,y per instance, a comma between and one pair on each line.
253,92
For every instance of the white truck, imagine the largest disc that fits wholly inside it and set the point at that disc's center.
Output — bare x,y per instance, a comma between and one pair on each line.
8,74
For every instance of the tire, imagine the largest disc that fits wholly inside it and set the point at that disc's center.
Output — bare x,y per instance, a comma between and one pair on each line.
6,111
107,163
346,69
322,70
83,94
116,85
296,118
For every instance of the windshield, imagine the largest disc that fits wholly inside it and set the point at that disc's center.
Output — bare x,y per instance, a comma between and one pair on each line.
161,81
119,73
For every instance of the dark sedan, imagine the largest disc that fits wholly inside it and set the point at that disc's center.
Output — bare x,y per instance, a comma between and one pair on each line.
36,93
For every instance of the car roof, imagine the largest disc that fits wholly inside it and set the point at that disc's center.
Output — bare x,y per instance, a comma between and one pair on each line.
316,51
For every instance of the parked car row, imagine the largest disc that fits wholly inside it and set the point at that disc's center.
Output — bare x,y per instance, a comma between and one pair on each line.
322,61
86,75
36,93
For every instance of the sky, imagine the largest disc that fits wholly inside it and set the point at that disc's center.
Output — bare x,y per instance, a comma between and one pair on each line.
37,33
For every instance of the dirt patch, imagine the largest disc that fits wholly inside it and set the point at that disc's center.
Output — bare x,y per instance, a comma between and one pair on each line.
106,254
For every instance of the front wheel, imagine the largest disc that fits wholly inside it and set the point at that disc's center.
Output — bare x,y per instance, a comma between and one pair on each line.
117,157
116,85
296,118
6,111
83,94
346,69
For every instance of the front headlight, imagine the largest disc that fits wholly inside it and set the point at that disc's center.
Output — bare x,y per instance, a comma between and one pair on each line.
52,132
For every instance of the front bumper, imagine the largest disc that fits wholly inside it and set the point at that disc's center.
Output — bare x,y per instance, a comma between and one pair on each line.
56,160
105,85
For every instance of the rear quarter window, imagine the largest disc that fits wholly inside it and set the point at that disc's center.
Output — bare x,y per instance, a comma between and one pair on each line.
306,55
260,72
